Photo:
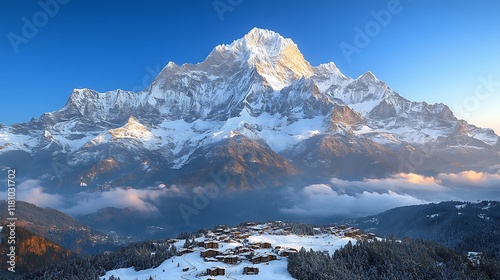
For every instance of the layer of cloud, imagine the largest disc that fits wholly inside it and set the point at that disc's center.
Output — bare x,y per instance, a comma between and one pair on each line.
337,198
30,191
372,196
322,200
143,200
471,178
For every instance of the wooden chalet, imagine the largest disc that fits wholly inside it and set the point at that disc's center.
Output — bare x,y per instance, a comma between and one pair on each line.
250,270
184,251
265,245
242,249
211,244
209,253
287,252
216,271
229,259
263,258
351,232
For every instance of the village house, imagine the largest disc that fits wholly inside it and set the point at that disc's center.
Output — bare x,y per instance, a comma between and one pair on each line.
244,236
209,253
184,251
351,232
242,249
229,259
251,270
265,245
211,245
216,271
263,258
287,252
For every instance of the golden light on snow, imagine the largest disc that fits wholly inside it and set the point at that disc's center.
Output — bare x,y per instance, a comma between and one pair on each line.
132,129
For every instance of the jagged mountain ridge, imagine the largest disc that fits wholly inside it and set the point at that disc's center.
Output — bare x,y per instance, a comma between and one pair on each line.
258,87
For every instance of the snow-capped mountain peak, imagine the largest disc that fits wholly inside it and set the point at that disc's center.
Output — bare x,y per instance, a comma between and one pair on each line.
368,77
259,87
276,58
264,42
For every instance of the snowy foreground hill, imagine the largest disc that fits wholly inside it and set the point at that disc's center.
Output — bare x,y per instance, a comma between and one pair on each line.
256,251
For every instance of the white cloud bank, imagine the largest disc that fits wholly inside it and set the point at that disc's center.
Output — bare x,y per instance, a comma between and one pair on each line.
338,198
372,196
143,200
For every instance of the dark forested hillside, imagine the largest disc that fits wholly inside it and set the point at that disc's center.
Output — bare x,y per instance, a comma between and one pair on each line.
59,228
32,251
137,255
463,226
391,259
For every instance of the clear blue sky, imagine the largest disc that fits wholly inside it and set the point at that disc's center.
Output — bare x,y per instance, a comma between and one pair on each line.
430,50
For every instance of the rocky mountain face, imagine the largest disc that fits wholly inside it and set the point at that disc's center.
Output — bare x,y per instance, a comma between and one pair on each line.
254,110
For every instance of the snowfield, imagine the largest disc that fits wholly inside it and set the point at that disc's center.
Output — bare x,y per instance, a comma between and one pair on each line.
193,266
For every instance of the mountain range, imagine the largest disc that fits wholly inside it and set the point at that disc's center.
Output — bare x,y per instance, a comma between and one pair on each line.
254,111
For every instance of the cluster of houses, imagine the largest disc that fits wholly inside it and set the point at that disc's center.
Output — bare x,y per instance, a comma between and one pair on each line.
344,231
211,247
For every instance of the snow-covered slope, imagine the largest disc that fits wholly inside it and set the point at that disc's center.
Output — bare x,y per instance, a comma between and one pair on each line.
259,87
246,249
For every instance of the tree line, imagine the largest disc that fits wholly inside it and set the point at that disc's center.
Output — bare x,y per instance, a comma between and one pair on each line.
390,259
